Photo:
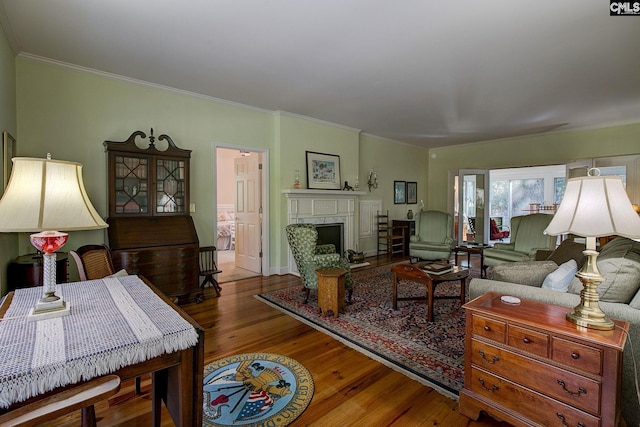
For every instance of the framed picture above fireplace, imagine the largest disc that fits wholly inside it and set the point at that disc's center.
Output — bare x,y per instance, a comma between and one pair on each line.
323,171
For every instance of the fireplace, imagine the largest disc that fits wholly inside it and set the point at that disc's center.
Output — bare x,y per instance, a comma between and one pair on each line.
331,211
331,234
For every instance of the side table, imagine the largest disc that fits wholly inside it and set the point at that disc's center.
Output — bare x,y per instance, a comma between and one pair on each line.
331,290
472,249
26,270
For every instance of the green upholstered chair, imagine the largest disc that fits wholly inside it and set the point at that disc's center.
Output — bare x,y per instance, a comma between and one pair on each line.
527,237
434,236
309,257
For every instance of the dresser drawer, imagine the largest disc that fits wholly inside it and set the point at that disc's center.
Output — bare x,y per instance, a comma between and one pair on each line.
565,386
580,356
538,408
527,340
489,328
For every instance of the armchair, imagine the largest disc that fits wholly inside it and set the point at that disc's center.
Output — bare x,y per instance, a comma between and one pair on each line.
498,232
527,237
309,257
434,236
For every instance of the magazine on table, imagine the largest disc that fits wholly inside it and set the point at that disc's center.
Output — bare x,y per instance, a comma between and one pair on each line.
437,268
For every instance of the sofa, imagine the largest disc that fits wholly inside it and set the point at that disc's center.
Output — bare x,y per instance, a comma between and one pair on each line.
619,264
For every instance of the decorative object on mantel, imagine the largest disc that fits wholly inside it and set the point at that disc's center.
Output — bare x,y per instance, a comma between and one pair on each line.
372,180
323,171
594,206
347,187
47,195
296,181
399,192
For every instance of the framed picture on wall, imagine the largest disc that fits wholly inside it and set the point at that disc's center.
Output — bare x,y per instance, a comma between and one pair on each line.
323,171
399,192
412,193
8,152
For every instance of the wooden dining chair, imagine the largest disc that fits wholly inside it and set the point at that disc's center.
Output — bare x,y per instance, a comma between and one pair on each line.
78,397
208,268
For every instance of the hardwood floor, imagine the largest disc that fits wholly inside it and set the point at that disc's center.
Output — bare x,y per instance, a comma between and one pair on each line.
350,388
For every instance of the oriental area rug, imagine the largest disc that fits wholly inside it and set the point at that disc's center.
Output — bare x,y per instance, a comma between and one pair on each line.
255,389
429,352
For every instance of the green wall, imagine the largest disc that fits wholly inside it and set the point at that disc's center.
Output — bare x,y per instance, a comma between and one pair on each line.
544,149
70,112
8,241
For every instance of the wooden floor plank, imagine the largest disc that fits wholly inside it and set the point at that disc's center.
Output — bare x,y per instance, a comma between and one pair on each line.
350,388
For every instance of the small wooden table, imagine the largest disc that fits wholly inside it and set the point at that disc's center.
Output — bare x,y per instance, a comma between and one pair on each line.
331,290
472,249
415,274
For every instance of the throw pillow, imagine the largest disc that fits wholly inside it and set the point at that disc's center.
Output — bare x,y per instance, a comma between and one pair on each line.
567,250
530,273
619,264
560,279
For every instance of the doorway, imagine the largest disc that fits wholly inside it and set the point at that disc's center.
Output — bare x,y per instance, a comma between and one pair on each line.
240,198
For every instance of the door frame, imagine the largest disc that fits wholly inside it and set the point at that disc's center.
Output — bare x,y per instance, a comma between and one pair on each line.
265,195
487,188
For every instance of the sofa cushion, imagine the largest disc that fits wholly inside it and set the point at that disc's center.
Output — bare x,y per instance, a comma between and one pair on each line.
560,279
567,250
619,264
530,273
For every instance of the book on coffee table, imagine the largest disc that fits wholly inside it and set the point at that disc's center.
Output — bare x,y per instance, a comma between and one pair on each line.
437,268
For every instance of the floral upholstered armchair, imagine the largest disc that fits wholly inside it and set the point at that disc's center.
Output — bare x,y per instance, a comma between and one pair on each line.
309,257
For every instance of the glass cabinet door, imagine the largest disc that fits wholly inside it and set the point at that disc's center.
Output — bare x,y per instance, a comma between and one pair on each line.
170,186
131,185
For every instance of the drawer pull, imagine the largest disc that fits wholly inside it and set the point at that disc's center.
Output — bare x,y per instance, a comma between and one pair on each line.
526,340
486,328
490,390
561,417
493,360
575,356
581,390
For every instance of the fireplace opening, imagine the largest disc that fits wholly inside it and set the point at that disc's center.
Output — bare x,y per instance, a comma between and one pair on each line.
331,234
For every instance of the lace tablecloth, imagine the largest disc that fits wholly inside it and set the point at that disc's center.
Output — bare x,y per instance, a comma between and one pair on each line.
114,322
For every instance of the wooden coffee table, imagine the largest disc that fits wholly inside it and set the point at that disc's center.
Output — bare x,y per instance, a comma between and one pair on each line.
414,273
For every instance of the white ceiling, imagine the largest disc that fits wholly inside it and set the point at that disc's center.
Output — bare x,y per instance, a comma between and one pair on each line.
426,72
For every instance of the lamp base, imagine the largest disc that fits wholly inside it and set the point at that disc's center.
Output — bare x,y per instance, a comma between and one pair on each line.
49,310
588,313
579,319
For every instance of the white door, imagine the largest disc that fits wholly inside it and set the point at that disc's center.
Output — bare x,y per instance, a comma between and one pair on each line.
248,208
473,206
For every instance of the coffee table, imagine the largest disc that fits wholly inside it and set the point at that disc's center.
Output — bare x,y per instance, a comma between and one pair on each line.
414,273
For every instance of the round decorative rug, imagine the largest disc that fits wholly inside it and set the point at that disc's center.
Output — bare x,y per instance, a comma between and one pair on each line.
255,389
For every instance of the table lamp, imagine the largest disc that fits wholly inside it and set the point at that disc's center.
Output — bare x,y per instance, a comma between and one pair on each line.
44,195
594,206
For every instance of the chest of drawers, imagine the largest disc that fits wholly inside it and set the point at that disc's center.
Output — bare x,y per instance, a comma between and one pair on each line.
527,365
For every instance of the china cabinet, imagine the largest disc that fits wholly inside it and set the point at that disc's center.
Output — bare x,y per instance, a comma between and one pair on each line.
150,230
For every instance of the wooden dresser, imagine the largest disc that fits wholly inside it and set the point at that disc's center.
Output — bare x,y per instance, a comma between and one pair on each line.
527,365
164,250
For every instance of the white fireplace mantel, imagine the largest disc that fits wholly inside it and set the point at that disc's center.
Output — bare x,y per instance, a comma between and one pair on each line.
322,207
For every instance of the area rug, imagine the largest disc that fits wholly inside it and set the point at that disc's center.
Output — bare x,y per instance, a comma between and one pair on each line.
255,389
429,352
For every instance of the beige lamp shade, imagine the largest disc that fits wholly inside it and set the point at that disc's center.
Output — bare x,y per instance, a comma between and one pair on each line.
45,194
595,206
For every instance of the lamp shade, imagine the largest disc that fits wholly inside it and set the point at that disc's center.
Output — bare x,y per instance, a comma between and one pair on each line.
45,194
595,206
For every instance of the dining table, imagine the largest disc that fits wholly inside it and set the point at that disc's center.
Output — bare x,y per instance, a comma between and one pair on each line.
116,325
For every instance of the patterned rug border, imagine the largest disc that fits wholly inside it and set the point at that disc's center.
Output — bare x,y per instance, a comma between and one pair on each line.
430,376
